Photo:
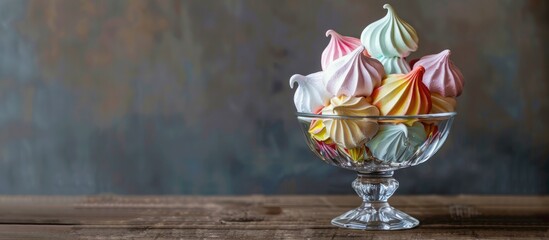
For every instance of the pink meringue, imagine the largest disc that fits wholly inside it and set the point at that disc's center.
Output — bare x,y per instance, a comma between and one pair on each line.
326,148
353,75
441,75
339,46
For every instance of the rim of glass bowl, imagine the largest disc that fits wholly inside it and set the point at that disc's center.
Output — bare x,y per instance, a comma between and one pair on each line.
432,116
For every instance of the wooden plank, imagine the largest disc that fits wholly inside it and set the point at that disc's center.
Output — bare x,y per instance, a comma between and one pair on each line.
255,217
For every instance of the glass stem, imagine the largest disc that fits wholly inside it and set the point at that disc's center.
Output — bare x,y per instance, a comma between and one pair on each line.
375,213
375,188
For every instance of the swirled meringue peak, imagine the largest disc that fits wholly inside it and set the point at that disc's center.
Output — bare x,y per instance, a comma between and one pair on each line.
327,148
394,65
390,36
339,46
441,75
356,154
353,75
397,142
318,130
442,104
350,133
401,94
311,93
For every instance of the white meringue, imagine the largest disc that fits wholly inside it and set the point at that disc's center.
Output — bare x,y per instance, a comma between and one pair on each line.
311,93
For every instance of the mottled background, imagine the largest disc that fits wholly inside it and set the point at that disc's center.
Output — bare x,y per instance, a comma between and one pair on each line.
192,97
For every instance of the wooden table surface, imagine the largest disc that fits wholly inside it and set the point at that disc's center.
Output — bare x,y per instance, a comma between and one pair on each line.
263,217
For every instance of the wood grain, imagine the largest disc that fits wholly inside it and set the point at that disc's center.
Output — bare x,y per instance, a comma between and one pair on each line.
263,217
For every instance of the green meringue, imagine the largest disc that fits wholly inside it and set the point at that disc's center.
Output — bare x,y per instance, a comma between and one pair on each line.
390,36
397,142
394,65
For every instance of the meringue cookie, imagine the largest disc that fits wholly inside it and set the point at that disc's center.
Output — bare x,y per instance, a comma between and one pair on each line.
430,129
311,93
442,104
401,94
390,36
318,130
339,46
327,148
394,65
397,142
356,154
350,133
441,75
353,75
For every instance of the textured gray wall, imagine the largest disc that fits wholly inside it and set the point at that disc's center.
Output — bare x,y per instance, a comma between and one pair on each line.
192,97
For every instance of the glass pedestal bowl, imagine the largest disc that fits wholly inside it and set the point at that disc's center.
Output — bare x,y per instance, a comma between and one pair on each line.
399,142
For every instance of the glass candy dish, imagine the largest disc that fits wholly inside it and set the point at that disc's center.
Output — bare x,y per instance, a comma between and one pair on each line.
400,142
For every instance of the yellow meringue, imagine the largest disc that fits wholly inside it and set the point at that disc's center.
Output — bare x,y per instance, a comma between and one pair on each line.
442,104
350,133
318,130
356,154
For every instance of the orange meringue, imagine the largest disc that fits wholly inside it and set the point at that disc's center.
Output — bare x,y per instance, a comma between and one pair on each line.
430,129
403,94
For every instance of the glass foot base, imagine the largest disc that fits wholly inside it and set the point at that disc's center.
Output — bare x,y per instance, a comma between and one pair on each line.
368,217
